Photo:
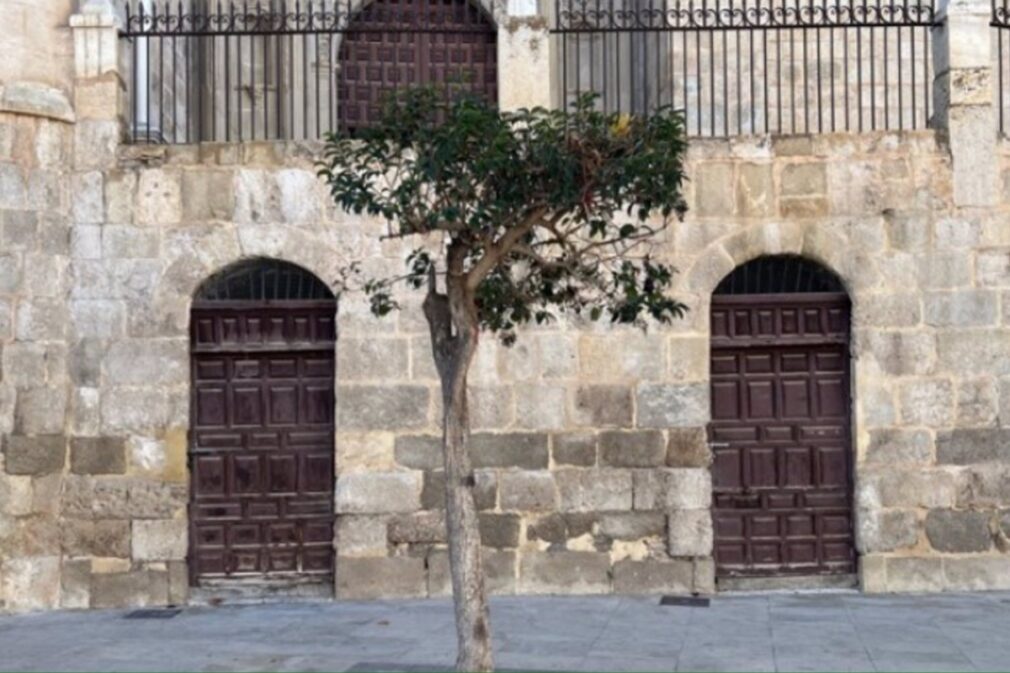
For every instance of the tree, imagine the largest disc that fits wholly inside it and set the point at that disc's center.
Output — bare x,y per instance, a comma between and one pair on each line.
532,212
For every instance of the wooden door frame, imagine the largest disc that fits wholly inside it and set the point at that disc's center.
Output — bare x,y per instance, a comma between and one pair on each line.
239,307
821,299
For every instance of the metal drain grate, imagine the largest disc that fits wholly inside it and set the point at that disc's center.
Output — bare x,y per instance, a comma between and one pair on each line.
153,613
685,601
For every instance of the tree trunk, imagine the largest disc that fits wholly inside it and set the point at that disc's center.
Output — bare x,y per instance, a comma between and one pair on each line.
454,331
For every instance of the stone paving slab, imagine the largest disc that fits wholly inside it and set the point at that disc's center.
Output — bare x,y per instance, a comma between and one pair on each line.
753,632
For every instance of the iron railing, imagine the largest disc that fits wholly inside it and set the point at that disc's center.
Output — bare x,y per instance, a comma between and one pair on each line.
738,67
210,70
1001,27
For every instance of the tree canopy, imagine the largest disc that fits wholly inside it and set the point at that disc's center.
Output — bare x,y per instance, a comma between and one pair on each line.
547,210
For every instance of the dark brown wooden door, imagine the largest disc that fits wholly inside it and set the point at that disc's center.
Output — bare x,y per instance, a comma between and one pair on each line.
262,439
780,432
394,44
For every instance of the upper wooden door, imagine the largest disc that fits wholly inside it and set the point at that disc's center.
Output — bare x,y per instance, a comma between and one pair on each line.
781,436
262,439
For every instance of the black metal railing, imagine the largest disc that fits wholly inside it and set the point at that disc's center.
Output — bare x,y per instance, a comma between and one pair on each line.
209,70
740,67
1001,27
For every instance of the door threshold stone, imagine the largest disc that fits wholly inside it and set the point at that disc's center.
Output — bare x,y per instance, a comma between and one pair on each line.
789,584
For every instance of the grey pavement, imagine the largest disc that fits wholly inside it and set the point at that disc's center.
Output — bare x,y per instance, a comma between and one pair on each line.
755,632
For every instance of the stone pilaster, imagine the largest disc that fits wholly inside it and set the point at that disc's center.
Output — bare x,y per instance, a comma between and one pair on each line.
98,87
524,57
963,98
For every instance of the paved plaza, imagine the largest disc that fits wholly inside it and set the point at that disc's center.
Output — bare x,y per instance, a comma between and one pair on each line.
759,632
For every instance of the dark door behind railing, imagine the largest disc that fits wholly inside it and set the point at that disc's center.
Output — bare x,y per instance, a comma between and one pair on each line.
753,66
292,69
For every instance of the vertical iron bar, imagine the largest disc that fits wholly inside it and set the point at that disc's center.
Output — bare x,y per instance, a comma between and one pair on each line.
901,110
711,76
873,75
750,70
764,64
859,73
725,77
739,86
806,71
227,70
136,76
912,79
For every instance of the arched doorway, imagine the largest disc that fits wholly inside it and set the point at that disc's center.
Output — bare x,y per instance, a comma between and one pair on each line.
781,421
393,44
261,429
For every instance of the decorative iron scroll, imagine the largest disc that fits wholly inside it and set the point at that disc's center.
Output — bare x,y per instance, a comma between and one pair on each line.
589,15
263,280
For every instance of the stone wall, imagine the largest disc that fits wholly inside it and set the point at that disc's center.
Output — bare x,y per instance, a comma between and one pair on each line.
589,440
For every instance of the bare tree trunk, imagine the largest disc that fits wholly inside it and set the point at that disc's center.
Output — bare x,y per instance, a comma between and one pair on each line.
452,318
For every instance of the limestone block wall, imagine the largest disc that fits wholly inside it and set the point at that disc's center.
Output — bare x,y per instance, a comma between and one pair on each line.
589,441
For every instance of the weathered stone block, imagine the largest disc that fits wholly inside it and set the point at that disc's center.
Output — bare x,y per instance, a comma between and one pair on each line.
361,535
371,358
493,407
564,572
900,309
977,403
594,490
886,530
984,486
873,573
97,455
914,574
804,179
29,584
599,406
621,356
107,538
528,491
524,450
485,492
499,572
159,198
40,411
420,527
137,588
420,452
964,446
178,583
906,488
927,402
632,449
207,195
962,308
977,573
148,499
755,190
992,268
365,452
551,528
631,525
653,577
663,405
377,493
35,455
75,584
892,446
367,578
159,540
540,406
147,362
499,530
973,352
687,447
951,530
129,410
689,532
711,195
382,407
574,448
899,352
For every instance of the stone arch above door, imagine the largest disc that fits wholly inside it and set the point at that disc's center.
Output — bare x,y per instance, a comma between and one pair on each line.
261,453
781,428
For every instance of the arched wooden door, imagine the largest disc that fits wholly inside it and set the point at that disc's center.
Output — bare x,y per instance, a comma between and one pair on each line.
394,44
262,428
781,421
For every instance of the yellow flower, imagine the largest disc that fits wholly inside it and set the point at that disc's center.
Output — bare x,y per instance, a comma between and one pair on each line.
622,126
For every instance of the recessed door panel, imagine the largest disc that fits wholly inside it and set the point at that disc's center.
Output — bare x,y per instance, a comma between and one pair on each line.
782,475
